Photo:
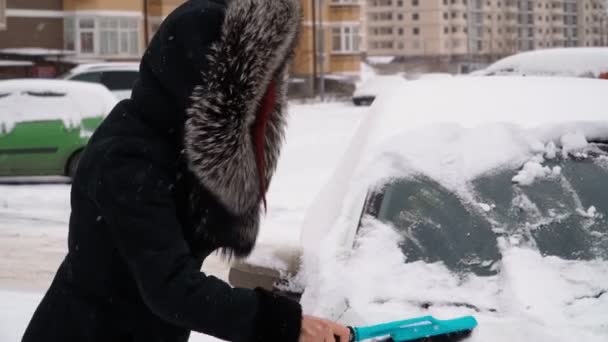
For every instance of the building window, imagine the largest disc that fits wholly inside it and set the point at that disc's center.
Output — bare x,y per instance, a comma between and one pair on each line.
118,36
103,36
69,35
345,39
415,16
416,31
86,35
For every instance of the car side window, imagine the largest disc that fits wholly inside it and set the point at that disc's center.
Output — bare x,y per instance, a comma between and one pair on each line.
93,77
119,80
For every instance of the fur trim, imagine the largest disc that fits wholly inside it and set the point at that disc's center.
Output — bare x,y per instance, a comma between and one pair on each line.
255,46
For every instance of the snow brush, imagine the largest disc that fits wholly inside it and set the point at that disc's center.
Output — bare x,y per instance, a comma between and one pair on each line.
423,329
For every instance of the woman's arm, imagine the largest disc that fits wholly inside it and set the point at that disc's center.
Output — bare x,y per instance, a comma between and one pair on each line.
132,190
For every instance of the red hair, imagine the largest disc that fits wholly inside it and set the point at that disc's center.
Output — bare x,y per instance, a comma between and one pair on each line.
259,136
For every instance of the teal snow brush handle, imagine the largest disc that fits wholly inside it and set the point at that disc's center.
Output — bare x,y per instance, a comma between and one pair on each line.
414,329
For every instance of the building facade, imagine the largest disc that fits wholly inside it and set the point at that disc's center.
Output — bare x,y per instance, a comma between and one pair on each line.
38,22
330,44
330,41
2,15
475,29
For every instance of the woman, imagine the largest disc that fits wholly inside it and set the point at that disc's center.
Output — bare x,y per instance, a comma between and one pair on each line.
176,172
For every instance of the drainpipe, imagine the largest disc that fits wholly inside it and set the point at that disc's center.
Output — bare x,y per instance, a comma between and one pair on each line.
322,57
314,48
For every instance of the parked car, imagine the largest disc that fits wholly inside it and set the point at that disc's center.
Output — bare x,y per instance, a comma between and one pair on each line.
450,205
366,93
118,77
565,62
45,124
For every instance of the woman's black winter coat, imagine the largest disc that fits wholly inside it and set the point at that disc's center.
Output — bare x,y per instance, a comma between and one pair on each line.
170,177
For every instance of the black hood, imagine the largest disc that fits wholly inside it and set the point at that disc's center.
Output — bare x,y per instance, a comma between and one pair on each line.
202,82
173,63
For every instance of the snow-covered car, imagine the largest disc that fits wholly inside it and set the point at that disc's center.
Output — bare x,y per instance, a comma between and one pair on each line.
118,77
446,204
45,124
365,94
564,62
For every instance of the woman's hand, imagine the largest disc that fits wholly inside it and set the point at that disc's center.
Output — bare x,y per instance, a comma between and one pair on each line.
319,330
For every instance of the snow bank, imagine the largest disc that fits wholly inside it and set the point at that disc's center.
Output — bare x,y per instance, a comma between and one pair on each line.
572,62
36,100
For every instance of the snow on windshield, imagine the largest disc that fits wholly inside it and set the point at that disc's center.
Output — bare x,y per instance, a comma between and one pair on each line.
534,298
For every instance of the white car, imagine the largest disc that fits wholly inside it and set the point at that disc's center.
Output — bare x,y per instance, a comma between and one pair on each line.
118,77
564,62
493,205
366,93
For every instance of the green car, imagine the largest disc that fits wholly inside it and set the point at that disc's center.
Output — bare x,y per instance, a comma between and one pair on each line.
45,125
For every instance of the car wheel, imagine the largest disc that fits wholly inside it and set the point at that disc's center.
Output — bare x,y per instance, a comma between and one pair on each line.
72,166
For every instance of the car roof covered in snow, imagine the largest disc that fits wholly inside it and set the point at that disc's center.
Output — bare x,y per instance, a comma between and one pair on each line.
35,99
452,130
113,66
571,62
378,85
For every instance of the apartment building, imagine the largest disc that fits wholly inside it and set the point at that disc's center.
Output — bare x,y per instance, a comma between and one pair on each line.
330,40
481,30
38,21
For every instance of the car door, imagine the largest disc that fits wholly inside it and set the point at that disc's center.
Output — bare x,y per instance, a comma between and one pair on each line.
33,145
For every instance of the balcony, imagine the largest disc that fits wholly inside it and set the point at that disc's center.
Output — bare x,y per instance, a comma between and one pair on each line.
345,3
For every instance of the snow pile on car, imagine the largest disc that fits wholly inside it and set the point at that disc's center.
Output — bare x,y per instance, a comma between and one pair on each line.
571,62
38,100
453,131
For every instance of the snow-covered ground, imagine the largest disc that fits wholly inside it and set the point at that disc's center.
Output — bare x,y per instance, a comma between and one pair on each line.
34,218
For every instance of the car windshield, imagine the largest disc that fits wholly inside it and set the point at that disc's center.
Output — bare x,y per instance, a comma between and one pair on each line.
562,215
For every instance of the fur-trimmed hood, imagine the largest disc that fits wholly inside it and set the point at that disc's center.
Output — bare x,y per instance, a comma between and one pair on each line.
256,42
215,60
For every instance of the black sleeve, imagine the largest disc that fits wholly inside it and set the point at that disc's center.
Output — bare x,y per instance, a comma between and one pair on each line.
132,190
